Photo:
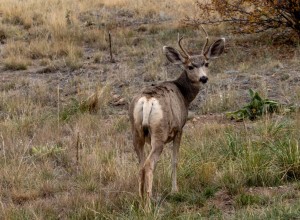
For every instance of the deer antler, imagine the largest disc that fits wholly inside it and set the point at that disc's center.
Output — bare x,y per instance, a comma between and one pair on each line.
187,56
203,49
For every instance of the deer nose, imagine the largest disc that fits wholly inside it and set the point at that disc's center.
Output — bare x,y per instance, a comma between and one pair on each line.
203,79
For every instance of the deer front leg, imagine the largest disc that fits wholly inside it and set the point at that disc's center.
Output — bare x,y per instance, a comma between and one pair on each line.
176,144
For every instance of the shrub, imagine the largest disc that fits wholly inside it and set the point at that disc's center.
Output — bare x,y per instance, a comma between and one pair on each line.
258,107
249,16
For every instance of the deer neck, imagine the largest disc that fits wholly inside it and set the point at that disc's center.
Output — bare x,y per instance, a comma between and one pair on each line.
188,89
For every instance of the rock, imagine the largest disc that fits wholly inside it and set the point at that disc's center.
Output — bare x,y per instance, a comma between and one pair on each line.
116,96
191,115
284,76
121,101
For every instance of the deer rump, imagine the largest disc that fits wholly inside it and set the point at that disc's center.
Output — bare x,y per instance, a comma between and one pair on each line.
158,112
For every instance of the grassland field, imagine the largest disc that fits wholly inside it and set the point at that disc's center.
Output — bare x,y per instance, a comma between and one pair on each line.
65,143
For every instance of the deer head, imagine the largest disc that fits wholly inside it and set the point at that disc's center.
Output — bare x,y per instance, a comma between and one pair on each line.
196,66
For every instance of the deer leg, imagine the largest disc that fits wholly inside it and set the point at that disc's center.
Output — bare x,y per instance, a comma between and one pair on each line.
149,167
138,143
176,144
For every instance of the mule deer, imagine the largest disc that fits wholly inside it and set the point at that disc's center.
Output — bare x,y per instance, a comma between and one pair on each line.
159,112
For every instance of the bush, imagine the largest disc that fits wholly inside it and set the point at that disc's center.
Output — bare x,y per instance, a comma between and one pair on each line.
258,107
249,16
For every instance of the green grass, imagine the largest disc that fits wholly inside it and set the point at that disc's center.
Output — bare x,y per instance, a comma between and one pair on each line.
245,199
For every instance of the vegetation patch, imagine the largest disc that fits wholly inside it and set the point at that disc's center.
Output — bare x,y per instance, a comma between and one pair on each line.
46,151
16,63
245,199
258,106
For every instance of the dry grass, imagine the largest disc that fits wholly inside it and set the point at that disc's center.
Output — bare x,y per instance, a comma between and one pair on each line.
39,29
65,143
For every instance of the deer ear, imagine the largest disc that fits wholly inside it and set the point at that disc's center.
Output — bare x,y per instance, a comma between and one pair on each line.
216,49
173,55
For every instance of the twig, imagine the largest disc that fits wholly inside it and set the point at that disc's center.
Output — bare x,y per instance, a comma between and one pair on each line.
77,149
3,147
110,50
94,211
58,107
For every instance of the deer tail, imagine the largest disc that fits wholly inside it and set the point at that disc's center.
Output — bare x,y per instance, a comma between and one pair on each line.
146,113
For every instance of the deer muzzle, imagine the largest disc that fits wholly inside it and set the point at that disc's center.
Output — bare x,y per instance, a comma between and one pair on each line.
203,79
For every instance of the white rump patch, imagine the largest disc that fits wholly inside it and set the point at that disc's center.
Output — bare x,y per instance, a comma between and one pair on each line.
147,112
156,113
138,111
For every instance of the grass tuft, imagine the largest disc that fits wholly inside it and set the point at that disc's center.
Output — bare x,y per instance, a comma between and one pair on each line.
245,199
16,63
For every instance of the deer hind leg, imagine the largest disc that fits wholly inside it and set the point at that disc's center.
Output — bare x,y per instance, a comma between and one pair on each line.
148,169
176,144
138,143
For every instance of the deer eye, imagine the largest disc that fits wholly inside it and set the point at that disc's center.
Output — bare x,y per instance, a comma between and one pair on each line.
190,67
206,64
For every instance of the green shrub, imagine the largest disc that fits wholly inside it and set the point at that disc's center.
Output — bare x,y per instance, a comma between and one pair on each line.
258,107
